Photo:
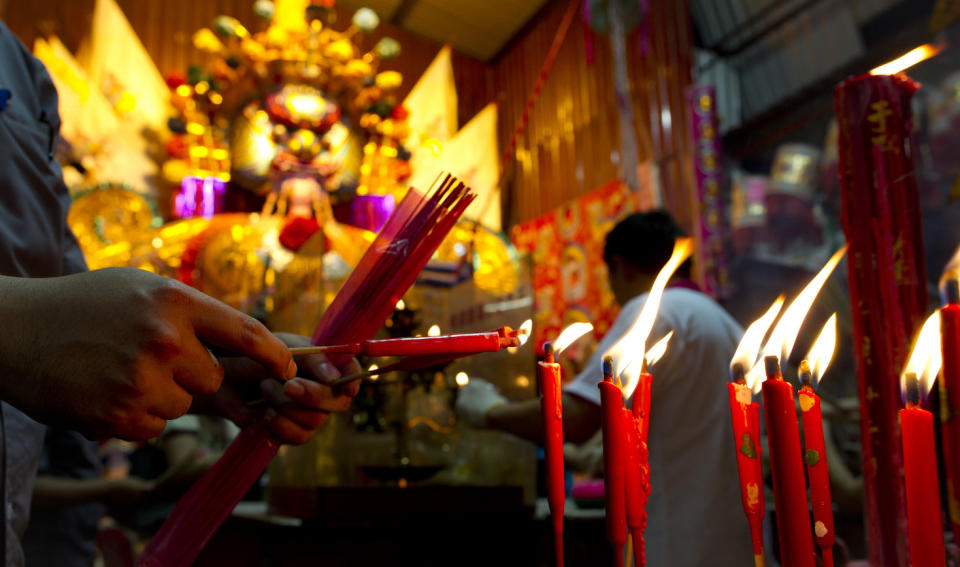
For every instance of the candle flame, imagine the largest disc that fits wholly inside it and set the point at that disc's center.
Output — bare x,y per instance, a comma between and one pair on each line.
569,335
523,332
401,305
633,344
925,357
950,272
785,333
462,379
658,350
821,353
755,377
433,331
749,347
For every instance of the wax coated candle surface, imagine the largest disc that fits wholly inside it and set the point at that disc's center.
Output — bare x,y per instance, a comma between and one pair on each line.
747,447
551,411
636,422
815,456
473,342
950,408
614,449
924,527
786,468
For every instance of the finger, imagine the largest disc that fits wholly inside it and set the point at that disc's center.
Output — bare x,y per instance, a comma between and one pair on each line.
286,430
197,370
169,401
221,325
318,367
316,396
141,427
307,417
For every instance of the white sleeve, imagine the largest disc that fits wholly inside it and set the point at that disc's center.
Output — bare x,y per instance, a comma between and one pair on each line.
584,385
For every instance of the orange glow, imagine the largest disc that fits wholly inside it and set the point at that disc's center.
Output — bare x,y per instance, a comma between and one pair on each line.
908,59
785,333
523,332
567,337
925,358
659,349
633,344
749,347
821,353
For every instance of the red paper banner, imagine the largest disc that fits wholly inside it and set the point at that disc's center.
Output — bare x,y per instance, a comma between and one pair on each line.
569,275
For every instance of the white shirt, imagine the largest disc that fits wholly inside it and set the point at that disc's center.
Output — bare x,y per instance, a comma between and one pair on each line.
694,515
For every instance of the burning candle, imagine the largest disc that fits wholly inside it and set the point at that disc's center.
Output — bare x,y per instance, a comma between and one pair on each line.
789,489
811,370
637,463
786,467
630,347
950,386
745,416
924,525
614,453
551,411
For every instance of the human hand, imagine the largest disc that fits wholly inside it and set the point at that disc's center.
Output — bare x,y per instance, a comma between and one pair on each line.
119,351
477,398
298,407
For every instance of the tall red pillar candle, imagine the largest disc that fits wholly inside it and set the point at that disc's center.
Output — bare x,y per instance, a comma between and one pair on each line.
815,456
614,454
786,468
887,280
551,411
747,446
950,399
637,474
924,527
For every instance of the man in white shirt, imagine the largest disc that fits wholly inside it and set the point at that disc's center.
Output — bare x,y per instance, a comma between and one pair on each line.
694,512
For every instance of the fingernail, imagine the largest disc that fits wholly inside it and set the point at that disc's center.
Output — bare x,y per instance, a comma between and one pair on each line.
294,389
328,371
291,369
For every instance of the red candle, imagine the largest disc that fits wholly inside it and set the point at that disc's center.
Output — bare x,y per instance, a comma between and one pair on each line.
614,454
815,455
789,488
950,399
925,529
551,410
473,342
637,473
745,416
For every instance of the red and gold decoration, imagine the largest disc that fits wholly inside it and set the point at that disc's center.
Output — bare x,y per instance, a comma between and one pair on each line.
569,275
810,373
745,415
881,221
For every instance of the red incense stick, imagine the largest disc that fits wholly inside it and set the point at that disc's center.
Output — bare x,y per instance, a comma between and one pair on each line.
387,269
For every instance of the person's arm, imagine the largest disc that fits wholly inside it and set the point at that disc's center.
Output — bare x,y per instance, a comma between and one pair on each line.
51,492
118,352
581,419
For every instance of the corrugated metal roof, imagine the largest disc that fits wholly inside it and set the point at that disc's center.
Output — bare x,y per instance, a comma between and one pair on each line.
763,51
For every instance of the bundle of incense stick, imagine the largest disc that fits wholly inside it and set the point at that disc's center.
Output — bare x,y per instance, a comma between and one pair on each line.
387,269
